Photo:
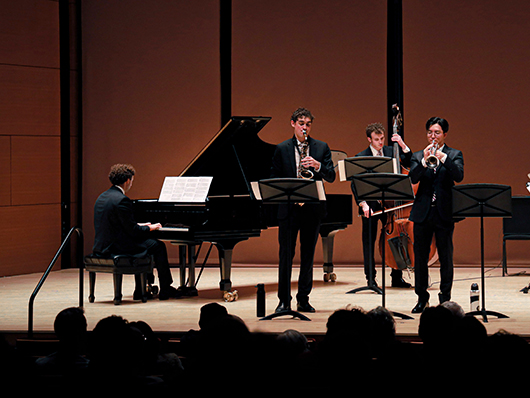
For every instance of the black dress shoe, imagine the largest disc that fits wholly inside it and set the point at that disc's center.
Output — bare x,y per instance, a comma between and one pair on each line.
305,307
420,306
137,295
443,298
283,307
400,282
169,292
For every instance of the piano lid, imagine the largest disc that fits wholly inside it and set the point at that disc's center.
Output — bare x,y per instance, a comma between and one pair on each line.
234,157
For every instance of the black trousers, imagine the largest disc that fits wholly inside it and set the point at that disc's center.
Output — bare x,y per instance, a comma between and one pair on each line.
306,221
158,250
443,234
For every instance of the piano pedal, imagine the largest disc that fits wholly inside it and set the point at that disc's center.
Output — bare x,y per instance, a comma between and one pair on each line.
153,289
188,291
230,296
330,277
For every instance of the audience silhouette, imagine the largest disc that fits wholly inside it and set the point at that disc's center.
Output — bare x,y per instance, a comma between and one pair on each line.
70,328
122,356
159,361
347,344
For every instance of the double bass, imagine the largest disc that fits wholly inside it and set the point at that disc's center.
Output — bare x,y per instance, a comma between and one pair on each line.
397,234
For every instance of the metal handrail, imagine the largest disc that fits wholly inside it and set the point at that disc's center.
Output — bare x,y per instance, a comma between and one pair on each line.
48,270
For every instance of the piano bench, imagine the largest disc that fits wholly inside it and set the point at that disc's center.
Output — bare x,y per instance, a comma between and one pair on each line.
118,265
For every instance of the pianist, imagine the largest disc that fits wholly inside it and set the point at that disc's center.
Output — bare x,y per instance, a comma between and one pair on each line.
118,233
305,219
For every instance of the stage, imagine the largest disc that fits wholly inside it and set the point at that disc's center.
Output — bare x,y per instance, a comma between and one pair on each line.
61,290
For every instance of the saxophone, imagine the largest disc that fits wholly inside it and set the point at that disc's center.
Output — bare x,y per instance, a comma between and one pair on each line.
303,172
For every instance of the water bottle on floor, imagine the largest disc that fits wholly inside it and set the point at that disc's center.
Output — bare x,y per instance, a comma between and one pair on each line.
260,300
474,297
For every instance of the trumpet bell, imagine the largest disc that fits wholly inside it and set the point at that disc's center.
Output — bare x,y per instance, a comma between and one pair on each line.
432,161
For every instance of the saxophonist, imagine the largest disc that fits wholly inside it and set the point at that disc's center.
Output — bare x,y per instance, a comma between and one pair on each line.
290,160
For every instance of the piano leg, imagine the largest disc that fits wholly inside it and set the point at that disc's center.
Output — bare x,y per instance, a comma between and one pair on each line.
327,252
188,288
182,264
226,249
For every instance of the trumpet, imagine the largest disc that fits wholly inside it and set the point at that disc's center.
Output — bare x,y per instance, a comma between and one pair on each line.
431,160
303,172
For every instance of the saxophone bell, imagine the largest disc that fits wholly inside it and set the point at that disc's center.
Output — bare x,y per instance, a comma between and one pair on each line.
306,174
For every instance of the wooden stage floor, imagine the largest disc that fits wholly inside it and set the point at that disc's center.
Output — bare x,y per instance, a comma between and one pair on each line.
61,290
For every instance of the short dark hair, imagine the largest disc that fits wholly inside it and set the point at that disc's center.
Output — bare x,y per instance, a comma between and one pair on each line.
70,324
301,112
444,124
210,313
374,128
119,173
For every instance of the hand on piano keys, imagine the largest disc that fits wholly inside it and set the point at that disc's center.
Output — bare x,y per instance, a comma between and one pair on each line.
152,227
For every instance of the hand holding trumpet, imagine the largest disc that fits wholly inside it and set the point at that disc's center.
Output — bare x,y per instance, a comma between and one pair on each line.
432,156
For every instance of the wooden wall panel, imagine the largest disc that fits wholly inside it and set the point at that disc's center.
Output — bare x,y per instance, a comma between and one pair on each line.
285,54
5,171
74,168
29,101
150,91
36,170
466,62
30,33
152,94
30,193
329,59
29,238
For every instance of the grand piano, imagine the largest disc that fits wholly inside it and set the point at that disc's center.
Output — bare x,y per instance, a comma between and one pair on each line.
234,157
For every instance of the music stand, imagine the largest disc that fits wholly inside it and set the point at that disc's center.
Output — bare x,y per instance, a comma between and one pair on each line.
348,169
288,191
482,200
384,186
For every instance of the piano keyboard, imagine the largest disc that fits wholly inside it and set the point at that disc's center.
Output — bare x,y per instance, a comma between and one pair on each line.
174,229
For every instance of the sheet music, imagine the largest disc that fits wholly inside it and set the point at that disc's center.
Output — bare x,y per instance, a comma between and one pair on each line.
342,170
321,191
185,189
255,189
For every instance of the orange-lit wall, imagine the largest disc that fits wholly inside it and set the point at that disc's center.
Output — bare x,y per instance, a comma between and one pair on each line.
152,90
151,97
29,135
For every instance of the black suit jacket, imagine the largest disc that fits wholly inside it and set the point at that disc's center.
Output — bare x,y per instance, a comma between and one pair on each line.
387,151
441,182
284,164
116,229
